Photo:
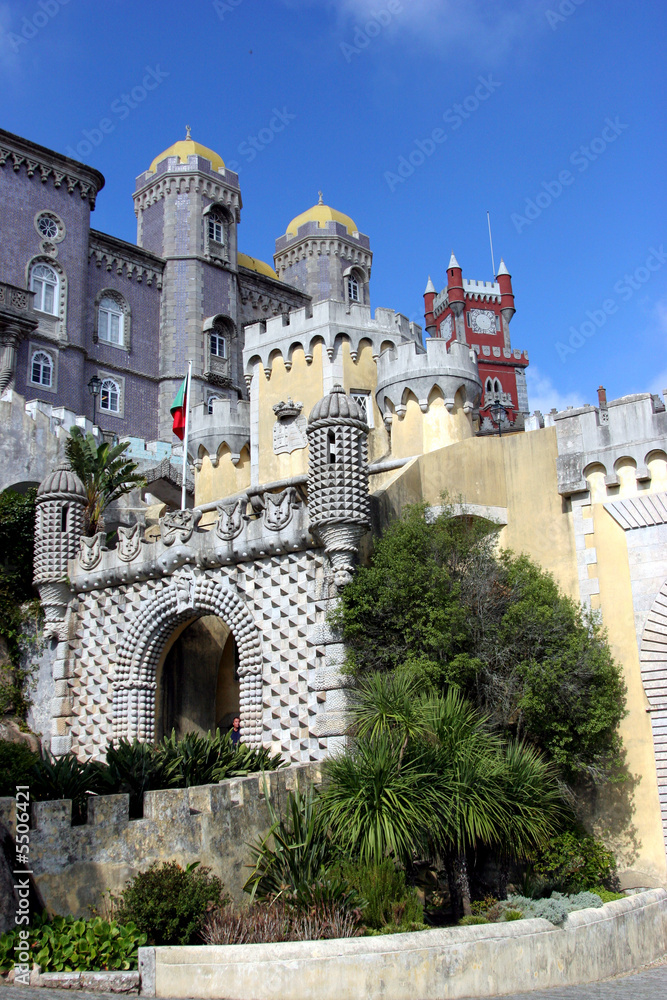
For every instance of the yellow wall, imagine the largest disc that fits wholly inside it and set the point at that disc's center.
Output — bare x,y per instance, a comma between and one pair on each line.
518,472
213,483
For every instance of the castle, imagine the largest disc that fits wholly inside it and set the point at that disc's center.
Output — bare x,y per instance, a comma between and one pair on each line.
314,421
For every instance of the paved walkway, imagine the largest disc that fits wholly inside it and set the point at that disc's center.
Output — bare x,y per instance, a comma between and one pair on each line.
651,984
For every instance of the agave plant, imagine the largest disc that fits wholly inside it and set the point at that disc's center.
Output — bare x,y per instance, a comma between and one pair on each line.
135,768
67,778
294,854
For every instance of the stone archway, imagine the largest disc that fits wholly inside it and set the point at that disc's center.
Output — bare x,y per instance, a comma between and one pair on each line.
186,597
653,659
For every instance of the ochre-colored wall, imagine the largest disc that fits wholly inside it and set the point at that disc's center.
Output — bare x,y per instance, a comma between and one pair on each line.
518,472
213,483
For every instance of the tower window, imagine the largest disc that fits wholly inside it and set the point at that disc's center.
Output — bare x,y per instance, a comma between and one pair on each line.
497,322
110,396
331,448
216,227
209,404
41,369
218,345
44,283
63,519
497,387
353,289
110,321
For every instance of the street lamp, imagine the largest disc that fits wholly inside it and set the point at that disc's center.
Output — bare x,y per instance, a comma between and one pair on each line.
498,413
94,387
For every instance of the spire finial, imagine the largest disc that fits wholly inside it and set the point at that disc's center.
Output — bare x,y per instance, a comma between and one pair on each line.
320,202
187,132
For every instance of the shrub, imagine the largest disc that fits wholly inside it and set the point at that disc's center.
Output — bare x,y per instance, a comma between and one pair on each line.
66,778
134,768
555,908
574,863
472,920
64,944
482,906
278,921
606,895
387,898
168,903
16,763
202,760
513,915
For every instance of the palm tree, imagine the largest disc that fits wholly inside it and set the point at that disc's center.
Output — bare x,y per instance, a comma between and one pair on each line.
105,472
426,775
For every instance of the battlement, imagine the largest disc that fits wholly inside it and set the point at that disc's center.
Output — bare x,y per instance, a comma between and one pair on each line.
481,290
329,322
319,230
208,823
411,369
227,423
247,527
627,432
506,353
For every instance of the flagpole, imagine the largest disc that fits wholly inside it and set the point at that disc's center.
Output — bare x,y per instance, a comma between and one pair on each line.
185,438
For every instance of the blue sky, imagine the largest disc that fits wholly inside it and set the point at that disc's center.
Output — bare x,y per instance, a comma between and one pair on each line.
559,133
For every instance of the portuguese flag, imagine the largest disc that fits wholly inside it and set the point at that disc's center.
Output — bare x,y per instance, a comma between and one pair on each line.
178,409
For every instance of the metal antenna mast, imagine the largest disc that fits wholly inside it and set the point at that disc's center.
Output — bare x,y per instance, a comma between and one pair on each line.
493,263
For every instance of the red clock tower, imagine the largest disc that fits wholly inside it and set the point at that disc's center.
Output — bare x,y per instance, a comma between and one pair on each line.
478,313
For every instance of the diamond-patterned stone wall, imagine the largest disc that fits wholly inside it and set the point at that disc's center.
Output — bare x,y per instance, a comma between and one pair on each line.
273,607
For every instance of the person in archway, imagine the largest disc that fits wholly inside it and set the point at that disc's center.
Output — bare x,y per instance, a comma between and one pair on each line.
235,732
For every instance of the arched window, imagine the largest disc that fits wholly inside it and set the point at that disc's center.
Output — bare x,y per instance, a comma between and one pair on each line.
41,369
353,291
44,283
110,396
209,405
216,226
497,387
110,321
489,387
218,344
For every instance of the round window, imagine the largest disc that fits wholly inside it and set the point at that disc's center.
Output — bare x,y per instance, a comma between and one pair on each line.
49,227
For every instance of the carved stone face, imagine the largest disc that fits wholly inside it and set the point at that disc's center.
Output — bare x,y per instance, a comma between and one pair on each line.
342,577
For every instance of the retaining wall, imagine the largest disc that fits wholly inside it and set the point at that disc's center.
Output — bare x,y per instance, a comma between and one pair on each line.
74,865
443,964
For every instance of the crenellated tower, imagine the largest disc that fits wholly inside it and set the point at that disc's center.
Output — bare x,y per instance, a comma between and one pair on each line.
324,254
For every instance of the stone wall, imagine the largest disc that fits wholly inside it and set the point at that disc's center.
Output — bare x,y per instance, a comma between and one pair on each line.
74,865
452,962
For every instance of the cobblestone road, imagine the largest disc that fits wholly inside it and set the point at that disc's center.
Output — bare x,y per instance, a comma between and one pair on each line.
651,984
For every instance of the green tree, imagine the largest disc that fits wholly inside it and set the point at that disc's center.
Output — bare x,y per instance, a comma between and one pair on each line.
105,472
18,606
439,604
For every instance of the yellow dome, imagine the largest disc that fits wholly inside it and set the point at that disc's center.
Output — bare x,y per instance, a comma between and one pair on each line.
321,214
188,147
256,265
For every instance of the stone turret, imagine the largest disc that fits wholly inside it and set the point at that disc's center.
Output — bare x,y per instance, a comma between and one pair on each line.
338,501
61,501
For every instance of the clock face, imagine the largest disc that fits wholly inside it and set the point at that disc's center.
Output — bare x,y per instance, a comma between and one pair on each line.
482,321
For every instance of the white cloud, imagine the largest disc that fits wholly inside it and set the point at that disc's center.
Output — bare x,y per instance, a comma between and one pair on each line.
488,30
544,396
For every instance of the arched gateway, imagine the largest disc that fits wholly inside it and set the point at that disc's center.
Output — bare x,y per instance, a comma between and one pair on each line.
185,598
